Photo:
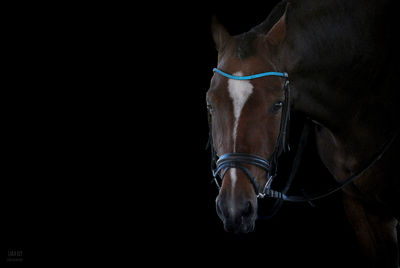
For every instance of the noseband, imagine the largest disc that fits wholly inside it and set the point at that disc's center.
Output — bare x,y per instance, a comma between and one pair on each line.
238,160
241,160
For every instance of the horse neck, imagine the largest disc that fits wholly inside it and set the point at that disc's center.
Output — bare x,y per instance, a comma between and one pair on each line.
335,71
315,99
344,79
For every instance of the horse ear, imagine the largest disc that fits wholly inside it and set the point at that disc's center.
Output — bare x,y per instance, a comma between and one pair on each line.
278,32
219,33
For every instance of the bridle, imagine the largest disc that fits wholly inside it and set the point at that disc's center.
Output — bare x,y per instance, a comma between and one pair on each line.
240,160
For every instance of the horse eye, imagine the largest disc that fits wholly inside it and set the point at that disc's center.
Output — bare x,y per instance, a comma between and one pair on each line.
278,105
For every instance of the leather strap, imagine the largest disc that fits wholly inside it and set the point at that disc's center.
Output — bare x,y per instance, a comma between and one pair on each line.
350,179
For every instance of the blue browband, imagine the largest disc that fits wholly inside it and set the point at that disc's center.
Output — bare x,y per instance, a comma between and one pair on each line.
249,77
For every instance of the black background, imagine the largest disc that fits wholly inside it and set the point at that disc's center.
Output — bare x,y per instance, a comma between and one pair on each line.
107,156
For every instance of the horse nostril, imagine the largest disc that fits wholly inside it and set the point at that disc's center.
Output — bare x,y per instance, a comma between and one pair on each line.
248,211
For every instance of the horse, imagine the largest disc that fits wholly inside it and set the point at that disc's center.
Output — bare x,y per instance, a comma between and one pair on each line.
335,63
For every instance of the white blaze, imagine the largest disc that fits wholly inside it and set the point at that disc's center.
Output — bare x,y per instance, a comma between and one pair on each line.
233,180
239,91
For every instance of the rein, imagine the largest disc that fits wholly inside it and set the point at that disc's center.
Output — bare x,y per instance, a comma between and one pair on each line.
238,160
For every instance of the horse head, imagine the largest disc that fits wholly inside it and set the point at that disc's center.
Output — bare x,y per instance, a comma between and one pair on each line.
246,114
